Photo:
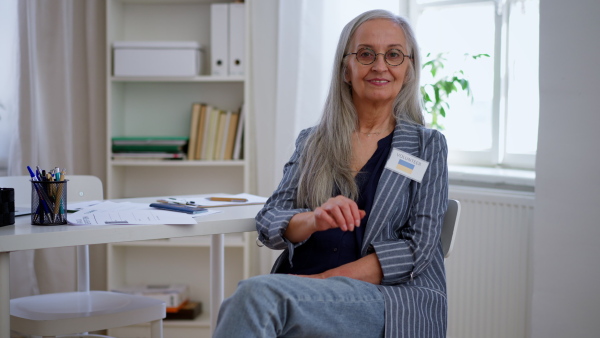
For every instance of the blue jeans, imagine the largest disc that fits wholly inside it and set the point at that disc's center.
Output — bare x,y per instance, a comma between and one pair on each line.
289,306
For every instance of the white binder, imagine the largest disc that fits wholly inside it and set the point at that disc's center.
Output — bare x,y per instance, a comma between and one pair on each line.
237,39
219,39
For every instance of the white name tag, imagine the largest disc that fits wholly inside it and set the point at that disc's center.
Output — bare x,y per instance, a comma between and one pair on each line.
407,165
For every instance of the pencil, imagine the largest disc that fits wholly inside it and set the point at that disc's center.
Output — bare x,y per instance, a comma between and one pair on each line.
227,199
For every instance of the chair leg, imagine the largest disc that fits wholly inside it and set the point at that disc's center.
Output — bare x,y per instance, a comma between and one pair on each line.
156,329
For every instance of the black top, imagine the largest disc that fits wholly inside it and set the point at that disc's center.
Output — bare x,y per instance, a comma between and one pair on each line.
329,249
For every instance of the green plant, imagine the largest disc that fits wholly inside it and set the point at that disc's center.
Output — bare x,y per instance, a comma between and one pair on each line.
443,84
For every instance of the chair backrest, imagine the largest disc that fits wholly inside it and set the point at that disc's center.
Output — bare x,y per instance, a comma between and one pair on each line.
79,188
449,227
84,188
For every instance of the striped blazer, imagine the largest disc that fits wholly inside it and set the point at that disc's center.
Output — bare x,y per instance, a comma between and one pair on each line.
403,230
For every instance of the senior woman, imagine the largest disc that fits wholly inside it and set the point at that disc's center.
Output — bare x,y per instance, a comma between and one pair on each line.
359,209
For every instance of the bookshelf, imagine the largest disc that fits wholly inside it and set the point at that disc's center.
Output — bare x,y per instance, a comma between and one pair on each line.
180,260
162,106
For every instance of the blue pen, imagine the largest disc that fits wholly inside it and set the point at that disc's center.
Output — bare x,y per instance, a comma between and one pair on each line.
31,173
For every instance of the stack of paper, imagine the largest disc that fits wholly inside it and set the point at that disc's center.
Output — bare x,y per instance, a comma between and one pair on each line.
107,212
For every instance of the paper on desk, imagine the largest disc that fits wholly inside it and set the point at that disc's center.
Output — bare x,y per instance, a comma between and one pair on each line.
108,212
204,201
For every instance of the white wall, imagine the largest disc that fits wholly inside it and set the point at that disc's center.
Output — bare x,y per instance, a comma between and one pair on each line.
566,248
264,89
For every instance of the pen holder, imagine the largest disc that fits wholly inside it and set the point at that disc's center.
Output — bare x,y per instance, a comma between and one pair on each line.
48,202
7,206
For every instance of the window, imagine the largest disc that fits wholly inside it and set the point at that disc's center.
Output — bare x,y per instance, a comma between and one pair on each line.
498,125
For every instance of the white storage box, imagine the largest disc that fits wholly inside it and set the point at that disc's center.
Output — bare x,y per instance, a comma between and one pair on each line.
157,58
174,295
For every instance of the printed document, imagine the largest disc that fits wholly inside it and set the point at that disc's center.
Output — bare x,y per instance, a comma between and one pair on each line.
107,212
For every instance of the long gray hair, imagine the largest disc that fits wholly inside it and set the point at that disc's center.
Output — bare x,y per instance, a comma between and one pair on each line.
327,154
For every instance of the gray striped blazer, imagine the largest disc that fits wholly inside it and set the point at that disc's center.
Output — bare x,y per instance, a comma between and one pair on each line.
403,230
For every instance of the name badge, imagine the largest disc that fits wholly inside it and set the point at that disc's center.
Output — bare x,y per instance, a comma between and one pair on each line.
407,165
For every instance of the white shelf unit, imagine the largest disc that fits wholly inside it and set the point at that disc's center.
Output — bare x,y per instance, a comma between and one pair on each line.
161,106
177,260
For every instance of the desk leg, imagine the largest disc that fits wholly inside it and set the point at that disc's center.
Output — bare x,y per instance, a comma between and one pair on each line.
217,262
4,295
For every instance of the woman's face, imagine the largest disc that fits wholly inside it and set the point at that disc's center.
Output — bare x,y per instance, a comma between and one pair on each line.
377,83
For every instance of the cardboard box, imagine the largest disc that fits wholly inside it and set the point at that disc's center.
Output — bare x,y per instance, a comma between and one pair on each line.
157,58
189,310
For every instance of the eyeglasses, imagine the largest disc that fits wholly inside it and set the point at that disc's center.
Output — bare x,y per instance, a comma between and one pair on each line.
393,57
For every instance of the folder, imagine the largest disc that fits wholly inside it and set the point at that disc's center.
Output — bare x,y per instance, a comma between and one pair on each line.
237,39
219,39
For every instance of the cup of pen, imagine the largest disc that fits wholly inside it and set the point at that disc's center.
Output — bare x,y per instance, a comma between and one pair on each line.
49,202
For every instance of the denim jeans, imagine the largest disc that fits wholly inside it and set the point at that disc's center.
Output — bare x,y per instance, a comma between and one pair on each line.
282,305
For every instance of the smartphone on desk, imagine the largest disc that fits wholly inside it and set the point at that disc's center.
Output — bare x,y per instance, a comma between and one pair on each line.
188,209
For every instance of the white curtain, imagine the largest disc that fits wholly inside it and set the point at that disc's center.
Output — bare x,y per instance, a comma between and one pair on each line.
308,35
61,115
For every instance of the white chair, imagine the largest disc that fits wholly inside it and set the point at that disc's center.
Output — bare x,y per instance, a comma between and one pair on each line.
449,227
69,313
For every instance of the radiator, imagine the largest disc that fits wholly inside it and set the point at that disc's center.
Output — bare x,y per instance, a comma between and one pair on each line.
488,269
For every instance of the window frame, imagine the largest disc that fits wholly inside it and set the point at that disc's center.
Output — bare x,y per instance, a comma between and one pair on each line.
496,156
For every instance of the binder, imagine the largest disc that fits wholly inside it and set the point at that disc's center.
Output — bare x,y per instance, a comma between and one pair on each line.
237,39
219,39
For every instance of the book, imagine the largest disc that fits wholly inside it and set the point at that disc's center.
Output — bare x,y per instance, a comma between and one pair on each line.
147,148
194,121
148,144
189,310
219,136
201,131
212,134
237,151
174,295
148,156
206,132
231,133
143,140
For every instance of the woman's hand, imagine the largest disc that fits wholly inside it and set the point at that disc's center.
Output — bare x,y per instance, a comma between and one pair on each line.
338,212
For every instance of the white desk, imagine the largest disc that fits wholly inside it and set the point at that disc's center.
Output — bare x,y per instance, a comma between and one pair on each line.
24,236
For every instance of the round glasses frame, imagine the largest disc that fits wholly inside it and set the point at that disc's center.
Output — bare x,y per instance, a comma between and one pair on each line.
364,60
